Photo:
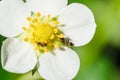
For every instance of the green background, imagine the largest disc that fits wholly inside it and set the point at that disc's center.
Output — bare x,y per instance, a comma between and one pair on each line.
100,59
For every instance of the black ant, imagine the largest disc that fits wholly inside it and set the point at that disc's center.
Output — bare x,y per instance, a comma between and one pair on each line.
67,41
41,44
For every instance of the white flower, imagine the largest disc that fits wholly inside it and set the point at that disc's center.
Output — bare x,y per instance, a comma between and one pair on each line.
76,23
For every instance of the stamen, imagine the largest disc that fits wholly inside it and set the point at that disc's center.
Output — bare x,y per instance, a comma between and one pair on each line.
26,39
47,24
56,22
29,19
52,36
38,14
49,16
24,28
56,46
31,25
43,33
46,49
55,30
61,36
44,41
36,48
35,20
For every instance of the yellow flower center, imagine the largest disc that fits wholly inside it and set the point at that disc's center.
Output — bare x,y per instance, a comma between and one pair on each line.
43,32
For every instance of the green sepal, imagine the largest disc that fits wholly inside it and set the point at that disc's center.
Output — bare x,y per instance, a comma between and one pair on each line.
34,70
24,1
55,18
32,13
62,48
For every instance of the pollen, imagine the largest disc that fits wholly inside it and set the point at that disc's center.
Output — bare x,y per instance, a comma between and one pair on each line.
61,36
55,30
43,32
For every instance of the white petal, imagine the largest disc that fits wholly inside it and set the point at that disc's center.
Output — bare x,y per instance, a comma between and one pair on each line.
13,15
17,56
63,65
47,6
79,23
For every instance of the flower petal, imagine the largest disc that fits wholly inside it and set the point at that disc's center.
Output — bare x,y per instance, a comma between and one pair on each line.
46,6
62,65
13,15
17,56
79,23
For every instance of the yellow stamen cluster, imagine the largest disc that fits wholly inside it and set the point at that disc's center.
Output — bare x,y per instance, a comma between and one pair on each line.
43,32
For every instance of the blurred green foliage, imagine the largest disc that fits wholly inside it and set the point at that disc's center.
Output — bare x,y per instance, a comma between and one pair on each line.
95,64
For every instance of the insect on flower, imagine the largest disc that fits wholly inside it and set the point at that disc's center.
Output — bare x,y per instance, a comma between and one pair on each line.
36,29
